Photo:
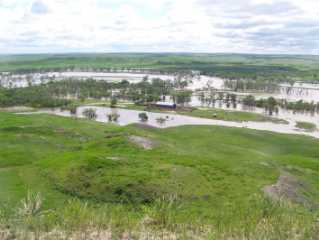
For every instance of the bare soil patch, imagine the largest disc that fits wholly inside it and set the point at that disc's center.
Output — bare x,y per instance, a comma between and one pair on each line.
143,142
288,188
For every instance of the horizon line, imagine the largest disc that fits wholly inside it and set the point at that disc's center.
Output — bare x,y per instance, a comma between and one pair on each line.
177,53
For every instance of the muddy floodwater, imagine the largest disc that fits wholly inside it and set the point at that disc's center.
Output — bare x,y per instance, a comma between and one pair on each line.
298,91
25,80
163,120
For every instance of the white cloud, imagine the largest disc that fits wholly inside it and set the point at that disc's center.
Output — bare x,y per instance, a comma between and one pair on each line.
263,26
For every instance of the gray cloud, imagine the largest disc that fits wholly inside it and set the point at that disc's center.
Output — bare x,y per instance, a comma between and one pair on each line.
279,25
279,8
180,25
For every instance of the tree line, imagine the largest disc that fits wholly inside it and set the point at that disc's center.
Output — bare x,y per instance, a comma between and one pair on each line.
271,105
59,94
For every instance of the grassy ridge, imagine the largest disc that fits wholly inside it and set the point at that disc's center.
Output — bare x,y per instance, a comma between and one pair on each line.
216,175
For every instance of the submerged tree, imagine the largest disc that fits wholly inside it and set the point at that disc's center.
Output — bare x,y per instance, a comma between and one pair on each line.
161,120
233,99
271,106
249,101
113,117
143,117
113,102
182,97
90,113
73,111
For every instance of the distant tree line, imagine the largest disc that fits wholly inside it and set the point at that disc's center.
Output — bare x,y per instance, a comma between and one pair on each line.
271,105
58,94
39,96
244,68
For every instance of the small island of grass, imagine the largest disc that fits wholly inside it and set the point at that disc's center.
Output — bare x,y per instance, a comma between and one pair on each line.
306,126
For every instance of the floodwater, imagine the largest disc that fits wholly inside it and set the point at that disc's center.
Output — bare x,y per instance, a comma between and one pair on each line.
24,80
299,91
173,120
285,114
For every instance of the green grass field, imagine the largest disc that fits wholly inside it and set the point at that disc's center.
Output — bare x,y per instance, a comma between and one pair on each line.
214,175
225,115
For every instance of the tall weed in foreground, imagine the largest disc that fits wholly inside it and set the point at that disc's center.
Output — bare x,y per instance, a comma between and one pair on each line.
29,216
266,220
163,211
261,219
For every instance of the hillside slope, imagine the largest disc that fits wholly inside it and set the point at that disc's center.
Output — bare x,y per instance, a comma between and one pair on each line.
215,176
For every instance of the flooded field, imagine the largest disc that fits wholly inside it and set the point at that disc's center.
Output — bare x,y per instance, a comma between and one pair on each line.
163,120
25,80
288,115
298,91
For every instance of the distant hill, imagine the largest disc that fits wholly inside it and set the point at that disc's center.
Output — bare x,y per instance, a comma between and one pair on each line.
249,66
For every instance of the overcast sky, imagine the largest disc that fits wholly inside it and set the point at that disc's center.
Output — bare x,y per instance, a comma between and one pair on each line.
251,26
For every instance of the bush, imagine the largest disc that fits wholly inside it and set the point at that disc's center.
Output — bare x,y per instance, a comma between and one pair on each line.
143,117
113,102
90,113
113,117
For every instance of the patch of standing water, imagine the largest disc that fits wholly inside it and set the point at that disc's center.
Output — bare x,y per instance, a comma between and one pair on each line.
173,120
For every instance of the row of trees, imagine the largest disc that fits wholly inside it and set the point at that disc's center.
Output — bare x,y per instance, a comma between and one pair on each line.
243,85
32,96
213,96
91,114
145,91
271,105
56,94
300,106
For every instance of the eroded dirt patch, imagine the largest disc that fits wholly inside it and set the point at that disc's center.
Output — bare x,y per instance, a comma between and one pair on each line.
143,142
288,188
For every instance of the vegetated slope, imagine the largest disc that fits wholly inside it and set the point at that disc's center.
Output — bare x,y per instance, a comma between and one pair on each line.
217,174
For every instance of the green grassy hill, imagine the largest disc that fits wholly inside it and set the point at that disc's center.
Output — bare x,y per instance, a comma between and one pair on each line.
215,175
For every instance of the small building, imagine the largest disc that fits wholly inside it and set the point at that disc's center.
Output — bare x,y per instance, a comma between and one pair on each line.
169,105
